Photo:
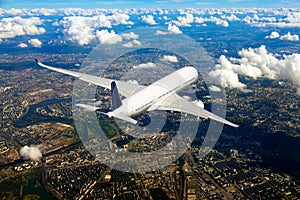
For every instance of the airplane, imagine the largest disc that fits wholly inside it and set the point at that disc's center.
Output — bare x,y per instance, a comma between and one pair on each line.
160,95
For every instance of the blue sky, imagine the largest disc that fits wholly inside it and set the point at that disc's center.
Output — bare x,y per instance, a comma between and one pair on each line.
6,4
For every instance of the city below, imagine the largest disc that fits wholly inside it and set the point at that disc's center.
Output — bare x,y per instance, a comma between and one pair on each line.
239,167
248,62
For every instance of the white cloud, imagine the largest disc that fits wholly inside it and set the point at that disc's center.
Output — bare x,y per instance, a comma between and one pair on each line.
247,19
44,11
258,58
214,88
81,36
134,43
284,18
256,63
200,20
78,29
22,45
159,32
226,78
255,17
14,12
30,12
219,21
120,18
79,12
31,153
166,18
128,36
148,19
35,42
145,66
173,59
82,30
17,26
290,37
184,20
293,17
172,29
55,23
106,37
273,35
242,69
231,18
289,68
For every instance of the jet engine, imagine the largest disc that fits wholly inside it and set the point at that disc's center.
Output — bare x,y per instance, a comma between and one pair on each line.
199,103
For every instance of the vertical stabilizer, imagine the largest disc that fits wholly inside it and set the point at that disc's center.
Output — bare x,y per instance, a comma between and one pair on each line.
116,101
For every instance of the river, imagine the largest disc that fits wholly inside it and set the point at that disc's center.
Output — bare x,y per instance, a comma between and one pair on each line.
32,117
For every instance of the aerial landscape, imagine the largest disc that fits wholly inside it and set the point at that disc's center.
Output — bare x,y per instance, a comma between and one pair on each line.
59,139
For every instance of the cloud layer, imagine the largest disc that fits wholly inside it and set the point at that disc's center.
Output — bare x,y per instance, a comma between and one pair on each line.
226,78
17,26
80,26
288,36
23,45
172,29
255,63
85,30
148,19
145,66
133,43
106,37
35,43
172,59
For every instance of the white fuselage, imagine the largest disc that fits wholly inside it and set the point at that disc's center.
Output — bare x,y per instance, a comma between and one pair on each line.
158,91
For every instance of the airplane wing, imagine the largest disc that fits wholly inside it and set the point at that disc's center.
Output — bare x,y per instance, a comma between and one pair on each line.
125,88
180,104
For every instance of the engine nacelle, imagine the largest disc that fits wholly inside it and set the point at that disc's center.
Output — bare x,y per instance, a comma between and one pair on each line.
199,103
110,114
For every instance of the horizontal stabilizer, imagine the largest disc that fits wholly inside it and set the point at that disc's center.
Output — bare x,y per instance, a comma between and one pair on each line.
87,107
123,117
109,114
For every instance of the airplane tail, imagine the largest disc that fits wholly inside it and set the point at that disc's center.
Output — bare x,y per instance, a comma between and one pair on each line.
116,100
